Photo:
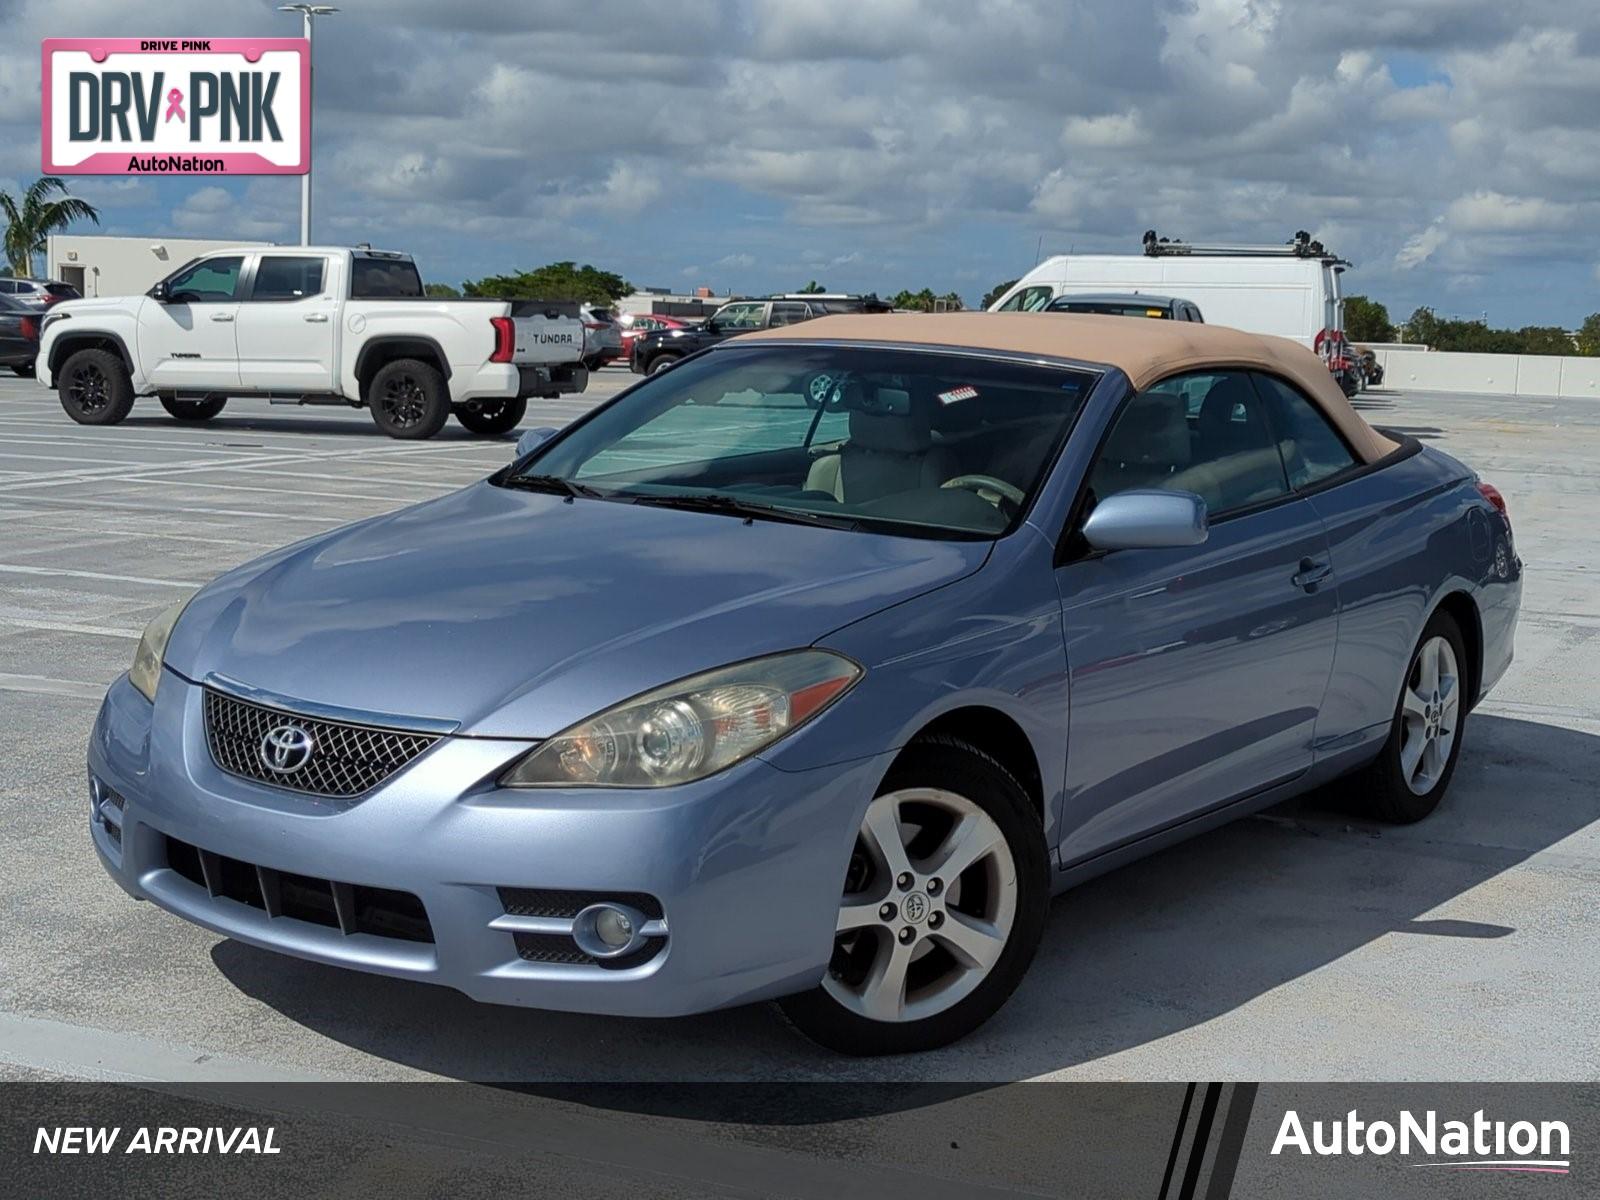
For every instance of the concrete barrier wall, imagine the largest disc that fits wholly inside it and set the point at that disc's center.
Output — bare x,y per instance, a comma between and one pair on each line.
1490,374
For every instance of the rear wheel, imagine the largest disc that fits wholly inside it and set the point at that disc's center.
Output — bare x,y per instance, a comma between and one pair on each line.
943,907
1410,775
94,388
408,399
195,411
661,362
490,417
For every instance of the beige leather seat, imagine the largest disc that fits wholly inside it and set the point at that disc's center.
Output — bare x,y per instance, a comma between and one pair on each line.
890,448
1148,446
1237,463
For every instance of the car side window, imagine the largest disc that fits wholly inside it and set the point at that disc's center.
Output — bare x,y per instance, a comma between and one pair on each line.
790,313
1029,299
1203,432
209,281
1312,447
286,277
740,316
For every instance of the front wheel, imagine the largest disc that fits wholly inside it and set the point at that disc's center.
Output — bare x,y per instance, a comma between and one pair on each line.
1410,775
193,412
491,417
408,399
94,388
660,363
944,903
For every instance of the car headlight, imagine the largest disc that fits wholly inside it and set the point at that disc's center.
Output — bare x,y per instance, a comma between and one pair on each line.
146,671
690,729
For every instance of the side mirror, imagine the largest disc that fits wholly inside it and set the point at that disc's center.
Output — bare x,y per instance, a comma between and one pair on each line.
532,439
1146,520
158,292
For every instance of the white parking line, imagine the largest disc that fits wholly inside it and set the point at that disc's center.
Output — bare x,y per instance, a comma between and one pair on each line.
20,569
70,627
44,685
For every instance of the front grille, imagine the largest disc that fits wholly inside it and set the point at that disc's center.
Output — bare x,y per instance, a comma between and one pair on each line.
553,902
347,907
345,760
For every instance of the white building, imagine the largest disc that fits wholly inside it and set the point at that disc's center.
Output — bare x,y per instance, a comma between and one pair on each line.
99,265
665,302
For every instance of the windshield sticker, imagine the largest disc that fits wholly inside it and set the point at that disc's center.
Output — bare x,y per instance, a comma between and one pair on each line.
957,394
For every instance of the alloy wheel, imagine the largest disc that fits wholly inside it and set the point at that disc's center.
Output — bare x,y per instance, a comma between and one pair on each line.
1430,710
404,400
89,388
930,898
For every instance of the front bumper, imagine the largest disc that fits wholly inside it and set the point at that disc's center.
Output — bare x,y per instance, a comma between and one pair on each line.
747,865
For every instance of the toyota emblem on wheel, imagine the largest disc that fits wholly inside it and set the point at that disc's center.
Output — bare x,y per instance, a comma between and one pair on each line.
286,748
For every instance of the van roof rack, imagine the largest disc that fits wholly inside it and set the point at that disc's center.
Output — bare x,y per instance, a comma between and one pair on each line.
1299,246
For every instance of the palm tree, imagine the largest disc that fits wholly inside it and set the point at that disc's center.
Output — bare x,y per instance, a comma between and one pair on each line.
29,223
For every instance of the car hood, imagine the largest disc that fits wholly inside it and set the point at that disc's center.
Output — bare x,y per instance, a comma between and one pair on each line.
516,614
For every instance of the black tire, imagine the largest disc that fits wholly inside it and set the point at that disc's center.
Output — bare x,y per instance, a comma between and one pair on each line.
408,399
661,362
491,417
949,765
194,412
593,363
24,370
1380,789
94,388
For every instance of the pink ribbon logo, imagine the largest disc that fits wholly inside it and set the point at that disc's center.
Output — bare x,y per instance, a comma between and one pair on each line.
175,105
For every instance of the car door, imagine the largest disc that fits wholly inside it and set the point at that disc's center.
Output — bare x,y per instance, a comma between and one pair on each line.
186,338
1196,673
733,319
286,325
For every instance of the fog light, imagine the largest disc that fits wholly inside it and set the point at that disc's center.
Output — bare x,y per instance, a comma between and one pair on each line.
609,930
613,927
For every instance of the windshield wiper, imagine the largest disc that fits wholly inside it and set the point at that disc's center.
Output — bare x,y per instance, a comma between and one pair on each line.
750,510
556,484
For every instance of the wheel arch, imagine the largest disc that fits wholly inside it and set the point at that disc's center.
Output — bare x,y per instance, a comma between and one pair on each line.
1463,610
70,342
378,352
996,734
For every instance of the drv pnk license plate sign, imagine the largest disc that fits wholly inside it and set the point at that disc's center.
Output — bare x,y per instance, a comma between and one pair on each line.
176,106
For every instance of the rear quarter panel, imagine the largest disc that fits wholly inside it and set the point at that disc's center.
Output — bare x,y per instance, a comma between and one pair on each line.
460,330
1403,538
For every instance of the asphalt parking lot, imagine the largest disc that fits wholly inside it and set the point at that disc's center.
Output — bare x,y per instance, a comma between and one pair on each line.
1298,945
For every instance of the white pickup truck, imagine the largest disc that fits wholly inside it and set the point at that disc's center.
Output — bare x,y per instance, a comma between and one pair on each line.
311,325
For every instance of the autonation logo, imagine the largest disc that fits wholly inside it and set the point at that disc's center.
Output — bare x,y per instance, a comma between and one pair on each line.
1476,1145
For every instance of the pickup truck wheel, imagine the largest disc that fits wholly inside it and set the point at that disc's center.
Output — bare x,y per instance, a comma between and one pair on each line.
94,388
408,399
661,362
194,410
491,417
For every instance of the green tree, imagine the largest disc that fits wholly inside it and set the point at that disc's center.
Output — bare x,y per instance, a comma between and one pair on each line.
951,302
998,290
36,216
1589,335
812,288
553,281
922,301
1545,339
443,291
1366,320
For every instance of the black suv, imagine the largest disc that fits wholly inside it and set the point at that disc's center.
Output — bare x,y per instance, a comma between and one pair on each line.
661,348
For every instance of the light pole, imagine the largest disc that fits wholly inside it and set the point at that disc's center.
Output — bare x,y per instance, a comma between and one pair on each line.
307,11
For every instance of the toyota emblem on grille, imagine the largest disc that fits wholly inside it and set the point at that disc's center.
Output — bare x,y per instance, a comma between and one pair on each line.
286,748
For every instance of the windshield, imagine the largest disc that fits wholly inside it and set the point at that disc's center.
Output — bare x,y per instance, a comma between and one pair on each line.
897,441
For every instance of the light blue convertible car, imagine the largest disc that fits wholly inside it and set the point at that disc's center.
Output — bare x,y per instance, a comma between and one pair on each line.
810,669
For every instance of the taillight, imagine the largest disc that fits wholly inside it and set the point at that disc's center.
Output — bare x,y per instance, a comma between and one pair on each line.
29,327
505,339
1492,494
594,324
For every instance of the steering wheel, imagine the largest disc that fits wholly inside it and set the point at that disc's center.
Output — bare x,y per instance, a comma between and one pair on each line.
989,488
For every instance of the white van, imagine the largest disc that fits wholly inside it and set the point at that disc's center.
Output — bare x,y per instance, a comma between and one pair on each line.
1291,290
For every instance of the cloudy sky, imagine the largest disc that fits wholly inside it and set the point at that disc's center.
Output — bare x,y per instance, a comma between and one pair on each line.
1451,148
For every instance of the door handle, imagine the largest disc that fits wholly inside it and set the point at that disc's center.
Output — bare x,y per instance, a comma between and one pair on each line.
317,318
222,316
1311,573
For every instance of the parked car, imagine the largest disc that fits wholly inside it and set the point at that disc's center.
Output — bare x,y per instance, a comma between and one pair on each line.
602,336
715,696
39,293
636,325
1127,304
311,325
19,335
659,349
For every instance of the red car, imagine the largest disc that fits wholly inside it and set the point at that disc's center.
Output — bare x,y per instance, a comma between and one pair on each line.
647,323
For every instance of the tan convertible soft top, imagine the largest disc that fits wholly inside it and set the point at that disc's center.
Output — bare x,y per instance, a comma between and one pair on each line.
1145,350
